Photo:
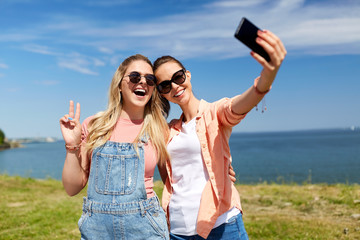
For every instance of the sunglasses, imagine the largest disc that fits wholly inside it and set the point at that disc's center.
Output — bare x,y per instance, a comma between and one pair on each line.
135,78
178,78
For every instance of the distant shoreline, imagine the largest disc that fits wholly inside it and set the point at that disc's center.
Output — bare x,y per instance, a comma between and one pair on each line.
19,143
10,145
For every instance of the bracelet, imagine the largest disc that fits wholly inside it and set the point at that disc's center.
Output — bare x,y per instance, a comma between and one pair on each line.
72,148
263,103
257,90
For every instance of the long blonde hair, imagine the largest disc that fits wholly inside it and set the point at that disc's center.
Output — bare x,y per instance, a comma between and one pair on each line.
155,125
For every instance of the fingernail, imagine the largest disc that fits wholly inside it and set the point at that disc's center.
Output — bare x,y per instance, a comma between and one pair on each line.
70,118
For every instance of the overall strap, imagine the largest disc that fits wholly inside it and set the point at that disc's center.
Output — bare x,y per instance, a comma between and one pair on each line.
144,138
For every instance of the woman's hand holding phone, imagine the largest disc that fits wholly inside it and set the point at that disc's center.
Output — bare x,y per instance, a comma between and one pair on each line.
266,48
277,52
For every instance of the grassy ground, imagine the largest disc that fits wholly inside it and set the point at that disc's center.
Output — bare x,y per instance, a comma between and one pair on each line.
40,209
301,212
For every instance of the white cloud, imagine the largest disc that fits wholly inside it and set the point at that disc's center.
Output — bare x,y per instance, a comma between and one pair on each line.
17,37
39,49
315,32
73,61
106,50
232,3
76,67
324,27
4,66
304,28
77,62
110,3
12,90
98,62
115,60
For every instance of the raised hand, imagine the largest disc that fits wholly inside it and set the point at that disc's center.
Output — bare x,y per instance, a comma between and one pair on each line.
70,126
277,52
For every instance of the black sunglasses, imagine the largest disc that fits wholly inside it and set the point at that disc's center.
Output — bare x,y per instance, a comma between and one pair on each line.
135,78
178,78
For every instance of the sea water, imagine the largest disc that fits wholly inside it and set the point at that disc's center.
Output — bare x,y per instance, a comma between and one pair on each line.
323,156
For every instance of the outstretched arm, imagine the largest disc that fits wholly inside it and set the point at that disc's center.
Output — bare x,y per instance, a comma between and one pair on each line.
243,103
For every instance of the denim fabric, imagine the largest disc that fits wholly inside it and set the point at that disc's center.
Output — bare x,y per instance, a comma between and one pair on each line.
116,206
233,230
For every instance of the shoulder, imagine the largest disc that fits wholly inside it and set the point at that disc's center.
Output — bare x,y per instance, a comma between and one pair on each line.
174,122
86,122
213,106
223,101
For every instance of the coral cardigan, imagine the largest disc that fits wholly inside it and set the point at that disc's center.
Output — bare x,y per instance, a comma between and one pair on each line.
214,123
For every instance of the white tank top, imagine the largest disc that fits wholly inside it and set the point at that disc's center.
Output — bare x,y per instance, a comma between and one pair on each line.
189,179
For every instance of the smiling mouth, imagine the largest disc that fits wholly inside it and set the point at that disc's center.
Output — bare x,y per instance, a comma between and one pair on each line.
140,92
179,93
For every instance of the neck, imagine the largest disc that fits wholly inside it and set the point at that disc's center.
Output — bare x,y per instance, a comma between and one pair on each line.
133,114
190,109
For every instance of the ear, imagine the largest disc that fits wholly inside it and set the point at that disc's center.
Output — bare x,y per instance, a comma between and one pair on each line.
188,75
119,85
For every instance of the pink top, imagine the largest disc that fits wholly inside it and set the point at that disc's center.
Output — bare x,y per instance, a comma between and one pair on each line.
126,131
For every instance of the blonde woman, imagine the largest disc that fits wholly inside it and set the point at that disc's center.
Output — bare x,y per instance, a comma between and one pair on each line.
115,153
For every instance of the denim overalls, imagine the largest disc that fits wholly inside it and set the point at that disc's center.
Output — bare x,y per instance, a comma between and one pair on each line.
116,206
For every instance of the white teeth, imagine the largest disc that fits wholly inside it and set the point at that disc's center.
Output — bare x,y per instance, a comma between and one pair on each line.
179,93
140,90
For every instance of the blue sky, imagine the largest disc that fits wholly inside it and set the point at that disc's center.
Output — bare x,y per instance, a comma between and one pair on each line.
54,51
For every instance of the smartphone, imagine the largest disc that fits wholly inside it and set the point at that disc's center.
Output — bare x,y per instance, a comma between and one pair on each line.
247,34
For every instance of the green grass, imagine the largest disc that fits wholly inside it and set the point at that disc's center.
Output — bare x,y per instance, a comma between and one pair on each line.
310,211
40,209
37,209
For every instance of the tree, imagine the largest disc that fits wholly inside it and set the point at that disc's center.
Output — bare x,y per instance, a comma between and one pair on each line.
2,137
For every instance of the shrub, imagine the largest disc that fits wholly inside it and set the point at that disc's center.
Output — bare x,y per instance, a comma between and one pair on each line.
2,137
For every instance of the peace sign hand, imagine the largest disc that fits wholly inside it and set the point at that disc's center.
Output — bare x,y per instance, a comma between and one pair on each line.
70,126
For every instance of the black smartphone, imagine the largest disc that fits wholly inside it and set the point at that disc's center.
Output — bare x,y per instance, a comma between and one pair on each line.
247,34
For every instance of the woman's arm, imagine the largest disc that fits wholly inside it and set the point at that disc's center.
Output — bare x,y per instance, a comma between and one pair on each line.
162,171
243,103
75,173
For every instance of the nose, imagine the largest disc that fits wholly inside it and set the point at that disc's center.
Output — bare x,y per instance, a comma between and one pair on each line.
174,85
142,80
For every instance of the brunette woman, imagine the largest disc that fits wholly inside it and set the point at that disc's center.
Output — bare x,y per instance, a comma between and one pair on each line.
200,199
